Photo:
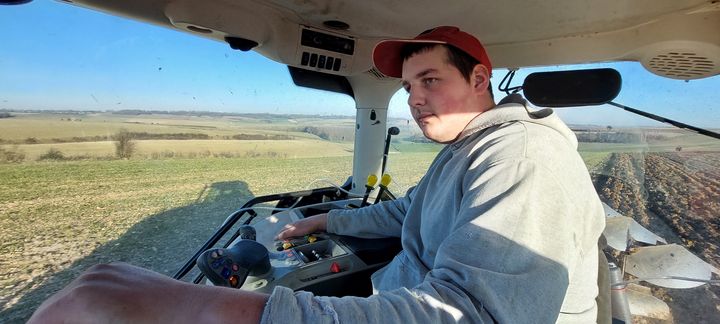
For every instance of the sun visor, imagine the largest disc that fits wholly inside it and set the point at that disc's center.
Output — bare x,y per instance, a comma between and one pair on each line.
321,81
572,88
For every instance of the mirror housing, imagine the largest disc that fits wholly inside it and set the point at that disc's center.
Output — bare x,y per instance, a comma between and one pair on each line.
572,88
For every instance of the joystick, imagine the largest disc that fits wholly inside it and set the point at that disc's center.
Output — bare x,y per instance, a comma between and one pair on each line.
230,267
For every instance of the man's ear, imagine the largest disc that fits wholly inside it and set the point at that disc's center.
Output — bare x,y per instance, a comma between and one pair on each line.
480,77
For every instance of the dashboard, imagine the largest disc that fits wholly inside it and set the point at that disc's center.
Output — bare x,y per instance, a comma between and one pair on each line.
321,263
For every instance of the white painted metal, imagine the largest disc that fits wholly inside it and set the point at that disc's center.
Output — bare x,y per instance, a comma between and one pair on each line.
372,96
652,262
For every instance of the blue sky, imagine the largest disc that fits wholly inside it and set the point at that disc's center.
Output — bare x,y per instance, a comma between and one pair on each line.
58,56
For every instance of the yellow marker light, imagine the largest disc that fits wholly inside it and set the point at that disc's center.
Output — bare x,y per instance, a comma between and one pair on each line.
311,239
287,245
386,179
371,180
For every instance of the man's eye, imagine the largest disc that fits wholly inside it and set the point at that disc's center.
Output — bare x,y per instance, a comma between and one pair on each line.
429,81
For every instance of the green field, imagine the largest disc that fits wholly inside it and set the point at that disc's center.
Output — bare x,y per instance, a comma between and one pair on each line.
58,218
45,126
89,135
297,148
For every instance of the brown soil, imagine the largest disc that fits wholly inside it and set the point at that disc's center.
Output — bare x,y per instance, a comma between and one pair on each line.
677,196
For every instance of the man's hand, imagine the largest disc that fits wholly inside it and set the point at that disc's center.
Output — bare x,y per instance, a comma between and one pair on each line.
122,293
312,224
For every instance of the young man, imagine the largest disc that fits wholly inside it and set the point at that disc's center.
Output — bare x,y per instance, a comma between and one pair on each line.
502,228
504,225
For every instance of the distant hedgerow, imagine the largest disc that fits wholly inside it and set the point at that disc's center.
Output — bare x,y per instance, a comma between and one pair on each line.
52,154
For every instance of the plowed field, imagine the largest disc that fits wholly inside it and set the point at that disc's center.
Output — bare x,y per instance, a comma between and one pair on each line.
677,196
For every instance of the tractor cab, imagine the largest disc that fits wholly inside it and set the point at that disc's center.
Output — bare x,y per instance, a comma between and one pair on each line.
557,54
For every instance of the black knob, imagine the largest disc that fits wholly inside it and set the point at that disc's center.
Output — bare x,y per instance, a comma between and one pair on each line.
247,232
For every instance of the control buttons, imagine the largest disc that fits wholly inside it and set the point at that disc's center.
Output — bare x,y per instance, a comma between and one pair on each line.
303,257
225,273
320,61
234,280
235,267
214,255
305,58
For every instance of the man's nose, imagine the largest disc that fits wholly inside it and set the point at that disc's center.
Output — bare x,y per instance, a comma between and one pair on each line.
416,98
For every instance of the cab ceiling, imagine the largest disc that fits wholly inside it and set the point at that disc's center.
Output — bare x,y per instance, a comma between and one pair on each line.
517,33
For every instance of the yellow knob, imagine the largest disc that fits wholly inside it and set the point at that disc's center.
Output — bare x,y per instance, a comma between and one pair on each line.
386,179
372,180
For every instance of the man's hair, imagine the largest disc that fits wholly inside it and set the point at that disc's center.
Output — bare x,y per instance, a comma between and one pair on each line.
456,57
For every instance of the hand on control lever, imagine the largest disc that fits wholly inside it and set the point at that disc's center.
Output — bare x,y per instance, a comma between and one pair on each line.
312,224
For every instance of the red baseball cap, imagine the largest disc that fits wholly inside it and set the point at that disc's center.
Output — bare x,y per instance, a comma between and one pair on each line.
386,54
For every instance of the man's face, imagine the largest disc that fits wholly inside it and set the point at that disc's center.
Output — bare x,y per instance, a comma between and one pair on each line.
441,101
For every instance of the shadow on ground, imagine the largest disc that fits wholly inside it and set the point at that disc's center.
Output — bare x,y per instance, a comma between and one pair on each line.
161,242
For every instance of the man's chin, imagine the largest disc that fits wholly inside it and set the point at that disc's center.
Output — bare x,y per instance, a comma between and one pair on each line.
434,138
437,138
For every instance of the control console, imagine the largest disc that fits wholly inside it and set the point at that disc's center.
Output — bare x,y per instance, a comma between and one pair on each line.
322,263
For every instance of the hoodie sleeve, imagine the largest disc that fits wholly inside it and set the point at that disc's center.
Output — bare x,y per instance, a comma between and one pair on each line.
512,243
383,219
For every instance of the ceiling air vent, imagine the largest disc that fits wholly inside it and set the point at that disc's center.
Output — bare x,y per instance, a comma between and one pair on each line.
682,65
683,60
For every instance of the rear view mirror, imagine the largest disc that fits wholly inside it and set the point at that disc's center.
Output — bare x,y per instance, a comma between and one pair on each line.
572,88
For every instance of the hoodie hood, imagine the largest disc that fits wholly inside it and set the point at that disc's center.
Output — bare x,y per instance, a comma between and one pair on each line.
515,112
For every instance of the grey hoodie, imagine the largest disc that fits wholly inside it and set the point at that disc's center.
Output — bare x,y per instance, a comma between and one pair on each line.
502,228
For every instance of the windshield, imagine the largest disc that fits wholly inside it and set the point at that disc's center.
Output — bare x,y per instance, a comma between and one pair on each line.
121,141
